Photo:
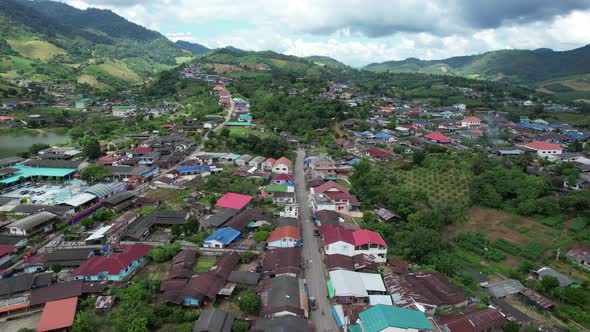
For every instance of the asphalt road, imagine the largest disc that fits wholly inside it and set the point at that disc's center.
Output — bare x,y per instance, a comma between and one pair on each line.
315,269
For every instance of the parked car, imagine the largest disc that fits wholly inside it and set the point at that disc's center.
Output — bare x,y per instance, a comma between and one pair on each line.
29,254
312,303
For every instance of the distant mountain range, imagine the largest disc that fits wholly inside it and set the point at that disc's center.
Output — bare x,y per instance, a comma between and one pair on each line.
517,66
327,61
192,47
50,41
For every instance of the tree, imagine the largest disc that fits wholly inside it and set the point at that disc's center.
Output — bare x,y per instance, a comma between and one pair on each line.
549,282
246,256
87,222
164,254
103,215
511,326
83,323
249,302
240,326
224,132
94,172
35,148
56,268
91,149
418,157
260,236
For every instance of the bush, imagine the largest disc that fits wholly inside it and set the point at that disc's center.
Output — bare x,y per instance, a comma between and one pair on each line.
249,302
261,236
578,224
479,244
164,254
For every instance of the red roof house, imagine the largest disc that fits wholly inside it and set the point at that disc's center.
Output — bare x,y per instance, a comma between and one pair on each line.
544,149
379,154
118,265
284,237
108,160
438,138
58,314
365,236
141,150
233,201
488,319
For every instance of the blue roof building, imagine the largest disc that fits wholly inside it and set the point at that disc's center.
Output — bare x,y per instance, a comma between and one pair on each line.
383,136
196,169
221,238
245,117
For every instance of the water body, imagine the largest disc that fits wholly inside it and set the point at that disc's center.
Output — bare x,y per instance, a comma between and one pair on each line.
12,144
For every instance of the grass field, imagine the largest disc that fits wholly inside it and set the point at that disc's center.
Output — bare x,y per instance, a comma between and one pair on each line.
92,81
241,132
204,264
441,187
36,49
120,70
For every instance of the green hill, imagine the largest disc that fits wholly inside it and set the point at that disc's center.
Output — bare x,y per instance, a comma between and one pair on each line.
517,66
51,41
327,61
194,48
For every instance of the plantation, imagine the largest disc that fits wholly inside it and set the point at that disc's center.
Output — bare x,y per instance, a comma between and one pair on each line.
441,187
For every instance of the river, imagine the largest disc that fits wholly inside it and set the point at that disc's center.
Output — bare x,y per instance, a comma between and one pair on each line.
11,144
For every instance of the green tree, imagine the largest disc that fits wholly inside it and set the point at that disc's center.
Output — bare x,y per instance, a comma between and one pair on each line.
94,172
103,215
549,282
91,149
249,302
35,148
83,323
418,157
260,236
240,326
511,326
56,268
246,256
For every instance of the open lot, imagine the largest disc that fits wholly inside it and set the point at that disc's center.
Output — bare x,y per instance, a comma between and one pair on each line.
48,193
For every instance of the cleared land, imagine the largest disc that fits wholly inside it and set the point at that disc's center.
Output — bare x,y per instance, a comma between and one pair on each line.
36,49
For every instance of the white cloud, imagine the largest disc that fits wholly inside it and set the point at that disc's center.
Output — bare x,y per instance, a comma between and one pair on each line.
358,32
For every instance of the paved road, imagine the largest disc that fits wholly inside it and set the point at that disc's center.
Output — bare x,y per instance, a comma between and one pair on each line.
315,270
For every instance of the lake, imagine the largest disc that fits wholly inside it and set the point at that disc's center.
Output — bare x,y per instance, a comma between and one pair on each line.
11,144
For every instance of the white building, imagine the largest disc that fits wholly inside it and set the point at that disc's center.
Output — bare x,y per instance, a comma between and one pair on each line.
544,149
282,166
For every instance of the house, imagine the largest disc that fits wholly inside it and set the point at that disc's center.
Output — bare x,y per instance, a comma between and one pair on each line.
283,198
332,196
503,288
325,217
339,240
284,237
123,111
544,149
537,299
385,318
221,238
470,121
118,265
267,164
40,222
378,154
256,161
83,103
214,320
283,296
7,253
354,287
281,261
476,320
564,280
360,263
233,201
282,179
246,218
285,323
438,138
424,291
580,255
243,160
282,165
58,315
68,258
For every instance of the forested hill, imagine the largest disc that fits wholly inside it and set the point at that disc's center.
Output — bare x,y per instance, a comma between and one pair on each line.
519,66
49,41
192,47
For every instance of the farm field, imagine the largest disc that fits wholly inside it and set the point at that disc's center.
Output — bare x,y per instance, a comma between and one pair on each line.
35,49
444,187
510,240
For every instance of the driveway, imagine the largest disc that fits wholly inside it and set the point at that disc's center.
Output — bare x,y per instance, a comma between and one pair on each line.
315,269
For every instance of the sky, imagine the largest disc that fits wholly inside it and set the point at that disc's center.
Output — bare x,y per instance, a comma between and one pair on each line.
359,32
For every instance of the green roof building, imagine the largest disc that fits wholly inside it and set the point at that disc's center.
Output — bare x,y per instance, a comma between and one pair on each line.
83,103
389,318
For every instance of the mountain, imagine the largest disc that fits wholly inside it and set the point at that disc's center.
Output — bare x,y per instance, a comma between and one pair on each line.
51,41
517,66
192,47
326,61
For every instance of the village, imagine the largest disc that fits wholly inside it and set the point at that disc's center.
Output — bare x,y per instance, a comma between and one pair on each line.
253,242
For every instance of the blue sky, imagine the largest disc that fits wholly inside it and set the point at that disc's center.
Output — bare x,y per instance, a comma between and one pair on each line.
358,32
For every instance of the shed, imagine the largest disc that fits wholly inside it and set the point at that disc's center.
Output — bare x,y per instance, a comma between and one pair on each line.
503,288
